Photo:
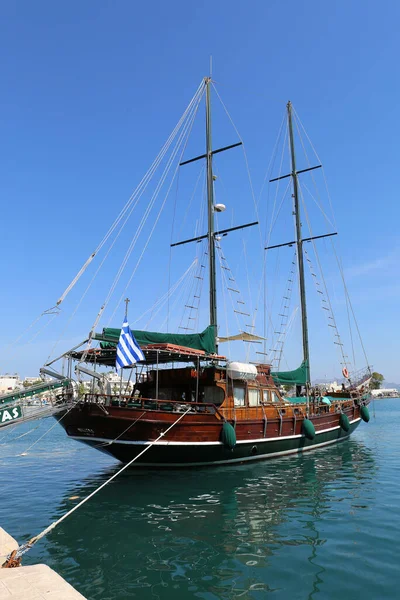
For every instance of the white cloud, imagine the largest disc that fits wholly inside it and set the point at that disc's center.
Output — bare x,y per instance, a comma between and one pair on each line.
382,264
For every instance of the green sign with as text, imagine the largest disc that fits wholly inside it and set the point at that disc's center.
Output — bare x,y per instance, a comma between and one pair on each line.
10,414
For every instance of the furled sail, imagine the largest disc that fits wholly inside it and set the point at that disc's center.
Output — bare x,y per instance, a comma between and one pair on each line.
296,377
198,341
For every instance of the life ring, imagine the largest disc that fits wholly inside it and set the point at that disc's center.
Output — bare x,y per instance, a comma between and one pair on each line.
345,373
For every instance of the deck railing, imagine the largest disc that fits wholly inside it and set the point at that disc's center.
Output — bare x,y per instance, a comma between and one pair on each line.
360,377
150,404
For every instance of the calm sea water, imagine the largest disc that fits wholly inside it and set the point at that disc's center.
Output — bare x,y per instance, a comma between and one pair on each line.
324,525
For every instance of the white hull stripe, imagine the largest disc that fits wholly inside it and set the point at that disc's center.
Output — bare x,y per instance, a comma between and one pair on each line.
241,460
166,443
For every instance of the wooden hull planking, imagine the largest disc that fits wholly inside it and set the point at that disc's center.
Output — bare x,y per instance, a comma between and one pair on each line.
195,440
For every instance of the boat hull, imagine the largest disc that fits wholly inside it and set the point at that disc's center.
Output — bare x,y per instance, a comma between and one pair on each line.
192,452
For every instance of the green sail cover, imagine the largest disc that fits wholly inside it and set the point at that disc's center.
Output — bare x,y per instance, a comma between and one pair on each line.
296,377
198,341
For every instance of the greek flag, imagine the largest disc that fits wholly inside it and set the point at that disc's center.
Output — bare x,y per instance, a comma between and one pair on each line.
128,350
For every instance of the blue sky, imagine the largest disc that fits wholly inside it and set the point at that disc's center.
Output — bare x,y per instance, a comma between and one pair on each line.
90,92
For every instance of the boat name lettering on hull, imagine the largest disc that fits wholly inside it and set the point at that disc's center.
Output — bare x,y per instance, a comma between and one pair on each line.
10,414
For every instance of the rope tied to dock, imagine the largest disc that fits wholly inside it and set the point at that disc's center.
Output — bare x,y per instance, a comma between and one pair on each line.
14,558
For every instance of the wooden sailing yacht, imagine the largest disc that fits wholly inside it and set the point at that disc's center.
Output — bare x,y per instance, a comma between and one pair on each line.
192,405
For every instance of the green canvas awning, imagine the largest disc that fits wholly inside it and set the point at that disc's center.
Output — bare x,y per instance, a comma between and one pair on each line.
296,377
197,341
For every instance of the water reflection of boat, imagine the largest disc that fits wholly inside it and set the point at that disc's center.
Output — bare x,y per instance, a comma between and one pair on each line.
205,534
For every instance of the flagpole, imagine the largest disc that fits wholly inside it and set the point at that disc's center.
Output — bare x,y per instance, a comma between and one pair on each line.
122,369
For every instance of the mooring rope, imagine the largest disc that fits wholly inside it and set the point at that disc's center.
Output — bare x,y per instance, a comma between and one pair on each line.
16,555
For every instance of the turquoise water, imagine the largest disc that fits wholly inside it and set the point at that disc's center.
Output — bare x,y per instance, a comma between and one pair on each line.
324,525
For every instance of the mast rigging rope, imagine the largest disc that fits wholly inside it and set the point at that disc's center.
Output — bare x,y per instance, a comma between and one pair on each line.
129,205
185,133
298,121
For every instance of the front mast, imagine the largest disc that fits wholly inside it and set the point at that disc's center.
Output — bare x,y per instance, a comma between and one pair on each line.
210,204
299,244
211,233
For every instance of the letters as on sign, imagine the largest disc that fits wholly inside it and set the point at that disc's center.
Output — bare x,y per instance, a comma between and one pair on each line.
10,414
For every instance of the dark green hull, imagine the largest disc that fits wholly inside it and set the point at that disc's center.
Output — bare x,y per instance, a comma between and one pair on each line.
182,454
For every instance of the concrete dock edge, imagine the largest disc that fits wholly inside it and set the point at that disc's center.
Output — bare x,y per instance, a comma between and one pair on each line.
34,582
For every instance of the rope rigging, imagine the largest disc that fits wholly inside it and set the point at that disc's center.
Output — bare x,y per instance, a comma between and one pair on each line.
183,140
284,314
194,296
283,139
262,291
236,298
338,261
349,303
327,306
182,136
180,144
245,157
160,303
326,301
122,217
185,131
256,209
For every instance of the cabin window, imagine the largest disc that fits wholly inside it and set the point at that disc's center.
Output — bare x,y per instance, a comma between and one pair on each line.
213,395
274,397
238,396
253,397
265,396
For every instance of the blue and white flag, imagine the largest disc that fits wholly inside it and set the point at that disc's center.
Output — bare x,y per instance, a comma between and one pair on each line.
128,350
